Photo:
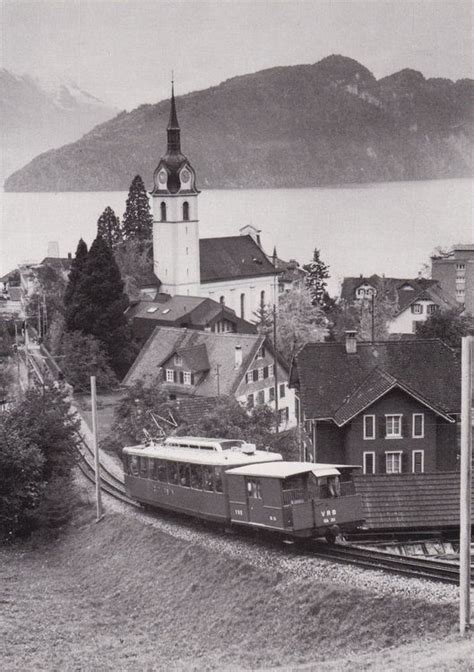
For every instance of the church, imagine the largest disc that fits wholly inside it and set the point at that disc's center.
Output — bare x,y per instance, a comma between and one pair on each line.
232,270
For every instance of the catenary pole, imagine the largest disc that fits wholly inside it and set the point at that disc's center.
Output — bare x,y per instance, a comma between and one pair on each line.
466,484
98,495
275,367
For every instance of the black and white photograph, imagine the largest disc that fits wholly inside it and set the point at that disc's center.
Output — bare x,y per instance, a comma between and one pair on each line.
236,335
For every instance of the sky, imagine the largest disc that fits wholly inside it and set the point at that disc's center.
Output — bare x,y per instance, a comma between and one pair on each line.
123,51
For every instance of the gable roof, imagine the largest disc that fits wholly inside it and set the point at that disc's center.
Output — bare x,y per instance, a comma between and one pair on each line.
336,385
220,350
58,263
232,257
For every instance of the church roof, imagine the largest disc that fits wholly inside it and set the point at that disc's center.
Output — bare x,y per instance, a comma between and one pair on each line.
232,257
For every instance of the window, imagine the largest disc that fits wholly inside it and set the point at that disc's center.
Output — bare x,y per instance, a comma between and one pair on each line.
369,463
261,352
282,390
271,370
265,371
187,378
460,267
260,374
178,360
173,473
242,306
271,394
184,475
163,211
418,461
262,299
393,463
418,425
218,479
250,402
186,211
369,427
254,489
169,376
393,426
160,470
255,375
261,397
143,467
207,478
417,308
283,415
196,476
432,308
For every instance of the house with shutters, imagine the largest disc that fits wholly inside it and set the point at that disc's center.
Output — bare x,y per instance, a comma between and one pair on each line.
392,407
414,299
192,363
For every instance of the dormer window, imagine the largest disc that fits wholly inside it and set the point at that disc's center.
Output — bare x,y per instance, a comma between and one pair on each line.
178,360
163,211
186,211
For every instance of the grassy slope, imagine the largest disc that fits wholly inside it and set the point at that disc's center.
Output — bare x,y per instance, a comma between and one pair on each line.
122,596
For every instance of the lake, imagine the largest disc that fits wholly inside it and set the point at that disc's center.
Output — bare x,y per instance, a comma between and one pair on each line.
386,228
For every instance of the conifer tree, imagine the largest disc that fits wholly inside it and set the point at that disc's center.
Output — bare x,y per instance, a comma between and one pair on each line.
137,220
108,228
317,274
75,274
100,305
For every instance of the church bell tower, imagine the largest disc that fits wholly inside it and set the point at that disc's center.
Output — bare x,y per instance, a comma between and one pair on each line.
175,217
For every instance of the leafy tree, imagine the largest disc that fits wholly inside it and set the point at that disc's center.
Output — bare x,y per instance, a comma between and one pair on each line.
99,305
46,304
21,479
108,228
357,315
298,321
84,356
448,325
317,274
135,261
137,220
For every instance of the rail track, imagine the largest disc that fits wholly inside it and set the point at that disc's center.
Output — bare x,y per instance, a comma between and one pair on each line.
420,567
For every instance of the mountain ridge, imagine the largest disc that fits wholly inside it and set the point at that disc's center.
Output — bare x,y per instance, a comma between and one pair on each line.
306,125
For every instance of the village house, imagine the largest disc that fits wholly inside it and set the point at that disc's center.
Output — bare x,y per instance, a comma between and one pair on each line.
232,270
190,363
455,273
391,407
190,312
414,300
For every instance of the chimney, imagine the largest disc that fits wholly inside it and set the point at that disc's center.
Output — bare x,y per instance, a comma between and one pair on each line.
238,356
69,255
351,342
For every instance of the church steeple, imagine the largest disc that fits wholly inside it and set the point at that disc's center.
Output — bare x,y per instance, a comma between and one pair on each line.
173,130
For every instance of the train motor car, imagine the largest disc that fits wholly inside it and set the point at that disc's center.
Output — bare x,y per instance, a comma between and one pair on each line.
187,474
299,499
231,482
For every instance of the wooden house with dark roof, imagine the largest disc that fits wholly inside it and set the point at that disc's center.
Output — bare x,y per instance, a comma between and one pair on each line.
190,312
231,270
192,363
392,407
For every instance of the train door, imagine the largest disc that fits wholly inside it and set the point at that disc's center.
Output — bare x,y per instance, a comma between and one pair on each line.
254,500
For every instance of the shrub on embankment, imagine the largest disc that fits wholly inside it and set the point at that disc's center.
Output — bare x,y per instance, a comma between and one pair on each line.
37,453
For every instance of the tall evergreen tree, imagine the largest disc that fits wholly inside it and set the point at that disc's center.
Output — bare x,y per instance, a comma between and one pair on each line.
100,305
75,274
108,228
317,274
137,220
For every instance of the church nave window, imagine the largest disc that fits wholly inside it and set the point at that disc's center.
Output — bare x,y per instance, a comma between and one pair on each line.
186,211
163,211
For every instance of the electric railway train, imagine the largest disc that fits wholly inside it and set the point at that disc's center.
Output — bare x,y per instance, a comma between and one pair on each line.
230,482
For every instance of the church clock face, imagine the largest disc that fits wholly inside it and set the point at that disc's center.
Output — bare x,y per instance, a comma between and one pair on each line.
185,176
162,177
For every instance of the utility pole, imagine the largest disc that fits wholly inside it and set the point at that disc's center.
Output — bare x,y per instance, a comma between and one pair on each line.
218,379
466,484
98,495
373,315
275,370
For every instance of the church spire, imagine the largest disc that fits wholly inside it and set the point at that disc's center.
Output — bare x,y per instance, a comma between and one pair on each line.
173,130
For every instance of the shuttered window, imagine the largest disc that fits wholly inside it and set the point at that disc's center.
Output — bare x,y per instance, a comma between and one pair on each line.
393,462
369,463
369,427
393,426
418,461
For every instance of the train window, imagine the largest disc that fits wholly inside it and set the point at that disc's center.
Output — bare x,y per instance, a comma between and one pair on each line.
228,444
254,489
144,467
184,478
160,470
207,478
293,482
173,473
151,468
134,465
196,476
334,486
218,481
